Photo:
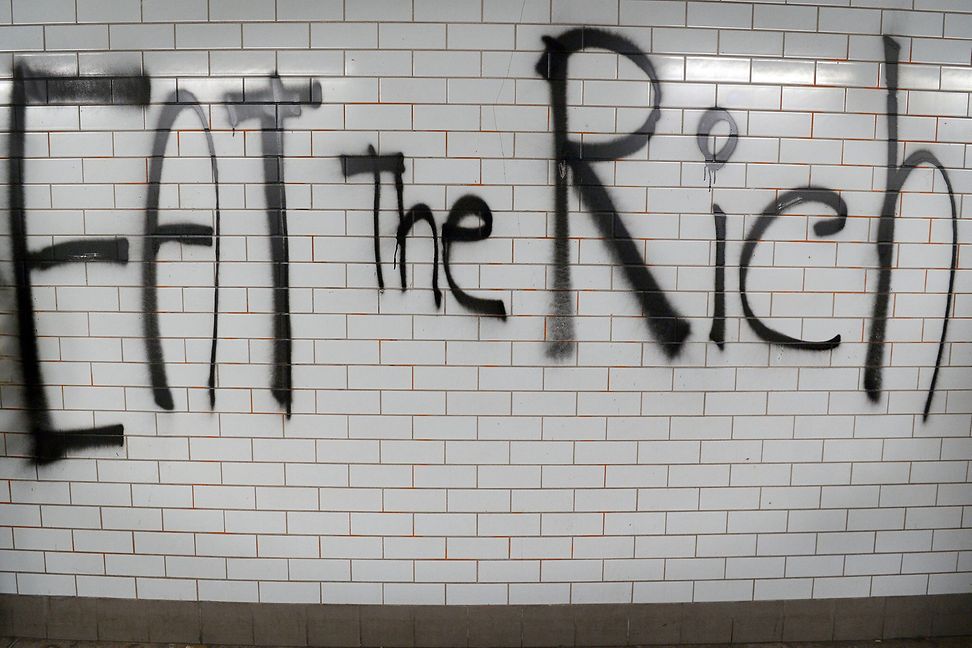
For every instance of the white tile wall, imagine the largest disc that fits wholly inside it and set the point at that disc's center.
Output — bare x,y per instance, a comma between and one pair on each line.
435,456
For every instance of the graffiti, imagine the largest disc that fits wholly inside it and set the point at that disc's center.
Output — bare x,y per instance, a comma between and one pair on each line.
185,233
821,228
663,321
419,212
469,220
715,160
271,109
50,443
718,331
375,165
452,231
896,177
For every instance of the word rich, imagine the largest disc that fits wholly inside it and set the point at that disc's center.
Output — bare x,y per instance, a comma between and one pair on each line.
270,111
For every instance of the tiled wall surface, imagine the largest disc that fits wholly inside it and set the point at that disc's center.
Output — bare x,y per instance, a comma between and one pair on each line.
442,454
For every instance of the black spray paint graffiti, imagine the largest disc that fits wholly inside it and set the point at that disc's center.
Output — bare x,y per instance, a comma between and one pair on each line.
51,443
270,109
718,331
185,233
896,177
453,232
821,228
665,324
715,160
375,165
668,327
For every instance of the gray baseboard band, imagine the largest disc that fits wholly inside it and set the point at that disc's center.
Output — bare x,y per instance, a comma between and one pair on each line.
420,626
